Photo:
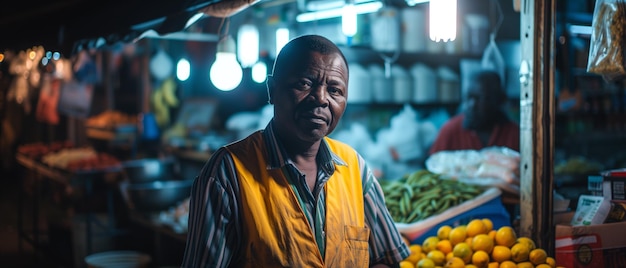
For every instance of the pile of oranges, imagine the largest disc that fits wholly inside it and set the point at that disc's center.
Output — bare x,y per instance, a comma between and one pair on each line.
477,245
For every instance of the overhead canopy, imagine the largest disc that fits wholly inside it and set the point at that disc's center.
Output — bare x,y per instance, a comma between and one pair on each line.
70,25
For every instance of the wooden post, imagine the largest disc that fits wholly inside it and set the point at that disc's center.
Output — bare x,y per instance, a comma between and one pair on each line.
537,121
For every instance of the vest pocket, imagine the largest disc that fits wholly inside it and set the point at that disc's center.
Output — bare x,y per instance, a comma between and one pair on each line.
355,249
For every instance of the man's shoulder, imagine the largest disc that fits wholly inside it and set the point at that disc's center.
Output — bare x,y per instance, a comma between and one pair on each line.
454,123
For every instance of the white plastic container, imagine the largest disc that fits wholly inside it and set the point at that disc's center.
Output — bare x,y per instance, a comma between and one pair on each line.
359,84
381,85
402,84
449,85
413,30
385,29
424,84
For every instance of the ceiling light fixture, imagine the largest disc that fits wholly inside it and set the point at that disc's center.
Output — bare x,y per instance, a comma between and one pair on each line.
359,8
442,20
248,45
226,73
349,19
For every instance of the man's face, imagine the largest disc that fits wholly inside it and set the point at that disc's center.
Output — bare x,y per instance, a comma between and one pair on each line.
311,98
481,106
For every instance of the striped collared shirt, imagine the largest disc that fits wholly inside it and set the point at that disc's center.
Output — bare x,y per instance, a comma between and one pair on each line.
214,235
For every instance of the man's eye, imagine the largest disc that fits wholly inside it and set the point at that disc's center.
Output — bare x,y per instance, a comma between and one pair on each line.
334,90
303,84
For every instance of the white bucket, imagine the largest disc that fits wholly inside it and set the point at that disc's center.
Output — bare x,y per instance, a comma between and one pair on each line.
118,259
413,30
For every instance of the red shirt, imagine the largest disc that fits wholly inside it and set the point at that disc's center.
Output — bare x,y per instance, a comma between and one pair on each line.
453,136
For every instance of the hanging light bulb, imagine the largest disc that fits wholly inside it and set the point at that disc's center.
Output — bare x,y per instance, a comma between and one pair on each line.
248,45
259,72
282,37
442,20
226,73
349,19
183,69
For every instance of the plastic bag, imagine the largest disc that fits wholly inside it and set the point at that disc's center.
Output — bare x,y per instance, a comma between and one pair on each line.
606,51
492,59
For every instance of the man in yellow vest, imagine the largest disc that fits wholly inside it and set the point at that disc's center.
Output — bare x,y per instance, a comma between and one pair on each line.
287,195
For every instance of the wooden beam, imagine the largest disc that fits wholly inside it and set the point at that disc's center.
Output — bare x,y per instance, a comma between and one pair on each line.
537,121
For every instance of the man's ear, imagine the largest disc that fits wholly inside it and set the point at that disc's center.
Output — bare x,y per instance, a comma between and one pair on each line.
271,84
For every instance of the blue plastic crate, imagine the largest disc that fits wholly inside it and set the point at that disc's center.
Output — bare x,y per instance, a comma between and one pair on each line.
489,205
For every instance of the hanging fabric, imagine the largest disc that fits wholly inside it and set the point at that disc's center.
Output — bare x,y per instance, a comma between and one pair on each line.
46,110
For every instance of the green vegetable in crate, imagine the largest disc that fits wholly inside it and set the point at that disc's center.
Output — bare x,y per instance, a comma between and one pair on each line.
423,194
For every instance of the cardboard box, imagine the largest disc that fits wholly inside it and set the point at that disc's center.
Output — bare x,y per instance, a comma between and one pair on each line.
614,184
614,188
593,246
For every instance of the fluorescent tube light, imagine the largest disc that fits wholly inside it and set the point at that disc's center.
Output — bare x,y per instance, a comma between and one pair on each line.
442,20
363,8
415,2
349,20
580,30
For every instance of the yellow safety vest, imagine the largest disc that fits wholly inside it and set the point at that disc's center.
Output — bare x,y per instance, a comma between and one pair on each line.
276,232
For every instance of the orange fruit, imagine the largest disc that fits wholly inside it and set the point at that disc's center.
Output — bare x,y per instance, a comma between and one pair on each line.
525,264
508,264
480,259
492,234
520,252
444,246
543,265
505,236
488,223
537,256
551,261
449,256
476,227
426,263
501,253
493,265
464,251
457,235
406,264
429,244
444,232
455,262
482,242
527,241
438,257
416,254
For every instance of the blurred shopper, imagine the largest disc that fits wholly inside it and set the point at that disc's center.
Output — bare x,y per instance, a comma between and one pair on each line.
289,196
483,121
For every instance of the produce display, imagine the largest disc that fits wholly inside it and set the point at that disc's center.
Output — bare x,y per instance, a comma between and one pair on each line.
38,149
65,156
111,119
423,194
477,245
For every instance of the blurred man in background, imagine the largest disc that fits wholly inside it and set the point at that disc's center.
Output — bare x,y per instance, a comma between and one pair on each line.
483,121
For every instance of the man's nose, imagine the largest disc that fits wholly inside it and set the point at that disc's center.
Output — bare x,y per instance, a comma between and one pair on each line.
320,95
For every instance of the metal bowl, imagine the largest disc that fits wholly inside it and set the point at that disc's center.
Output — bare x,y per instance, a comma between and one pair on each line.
149,169
157,195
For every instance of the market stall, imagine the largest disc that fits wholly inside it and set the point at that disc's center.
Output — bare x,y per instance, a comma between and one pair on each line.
142,108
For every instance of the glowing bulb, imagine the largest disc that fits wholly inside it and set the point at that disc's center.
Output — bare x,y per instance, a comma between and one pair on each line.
183,69
226,73
259,72
282,37
248,45
442,20
348,20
